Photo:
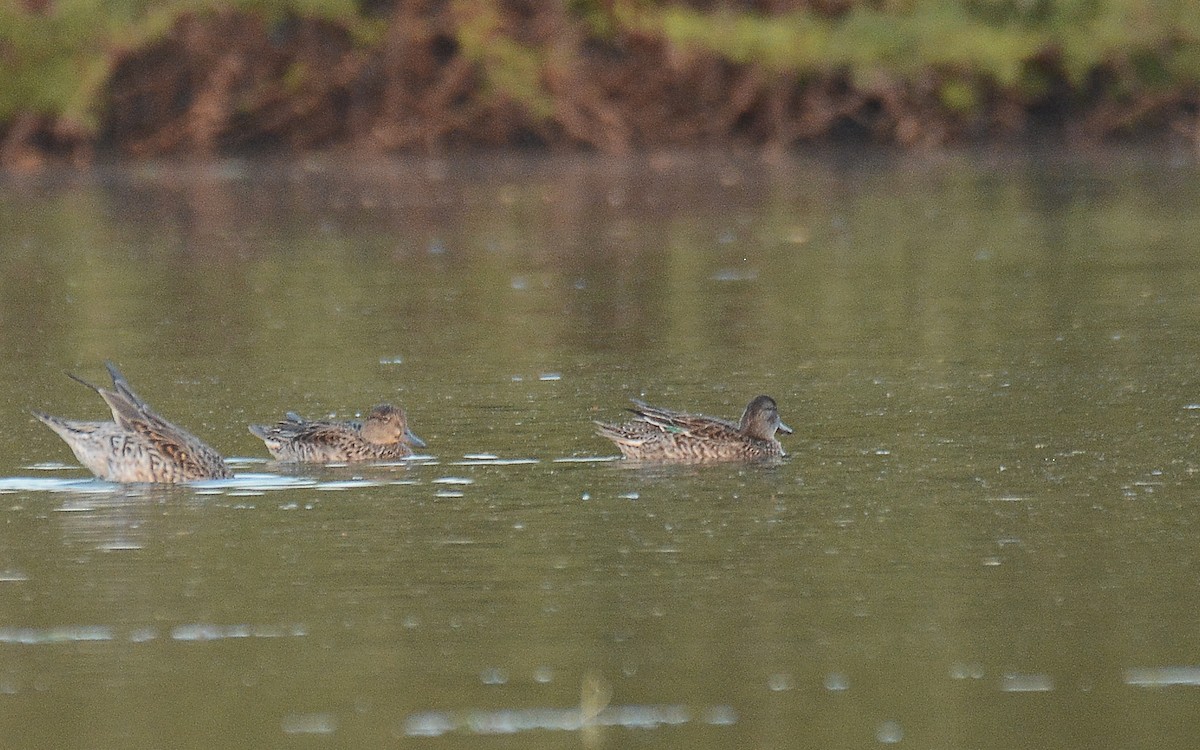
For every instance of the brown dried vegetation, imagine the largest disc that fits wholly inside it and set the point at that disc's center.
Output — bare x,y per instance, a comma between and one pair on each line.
434,76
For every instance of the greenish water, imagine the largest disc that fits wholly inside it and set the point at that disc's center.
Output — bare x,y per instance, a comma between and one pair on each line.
985,535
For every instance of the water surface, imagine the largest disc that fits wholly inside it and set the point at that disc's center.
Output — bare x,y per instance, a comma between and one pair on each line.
984,537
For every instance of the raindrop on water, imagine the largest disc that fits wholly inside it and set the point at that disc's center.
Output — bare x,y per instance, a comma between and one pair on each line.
889,732
780,682
493,676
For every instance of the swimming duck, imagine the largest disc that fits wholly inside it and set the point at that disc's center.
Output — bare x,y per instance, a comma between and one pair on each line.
663,435
138,445
382,436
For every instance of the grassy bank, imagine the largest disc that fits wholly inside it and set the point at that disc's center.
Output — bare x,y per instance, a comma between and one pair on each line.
205,76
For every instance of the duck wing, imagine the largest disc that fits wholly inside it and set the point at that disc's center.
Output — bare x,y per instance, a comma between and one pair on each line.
296,430
681,423
171,442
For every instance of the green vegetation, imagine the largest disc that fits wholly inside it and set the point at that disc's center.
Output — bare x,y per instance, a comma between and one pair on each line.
1135,61
56,60
508,67
1140,43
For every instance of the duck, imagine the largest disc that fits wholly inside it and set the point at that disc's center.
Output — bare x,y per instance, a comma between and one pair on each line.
138,445
382,436
666,436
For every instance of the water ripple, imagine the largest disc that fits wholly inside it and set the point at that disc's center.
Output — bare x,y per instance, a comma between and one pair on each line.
511,721
25,636
246,484
1026,683
10,485
1162,676
320,723
586,459
60,634
204,631
477,460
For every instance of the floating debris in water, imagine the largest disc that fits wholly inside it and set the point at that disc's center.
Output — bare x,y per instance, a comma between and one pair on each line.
391,361
594,695
453,480
13,576
550,376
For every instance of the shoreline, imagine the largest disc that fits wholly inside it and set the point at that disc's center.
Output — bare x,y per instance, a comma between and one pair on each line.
442,79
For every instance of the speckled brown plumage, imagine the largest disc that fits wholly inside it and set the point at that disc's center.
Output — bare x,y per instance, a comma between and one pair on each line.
382,436
138,445
663,435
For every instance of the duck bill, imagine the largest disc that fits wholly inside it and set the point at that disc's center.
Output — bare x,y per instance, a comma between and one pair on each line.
784,429
413,440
